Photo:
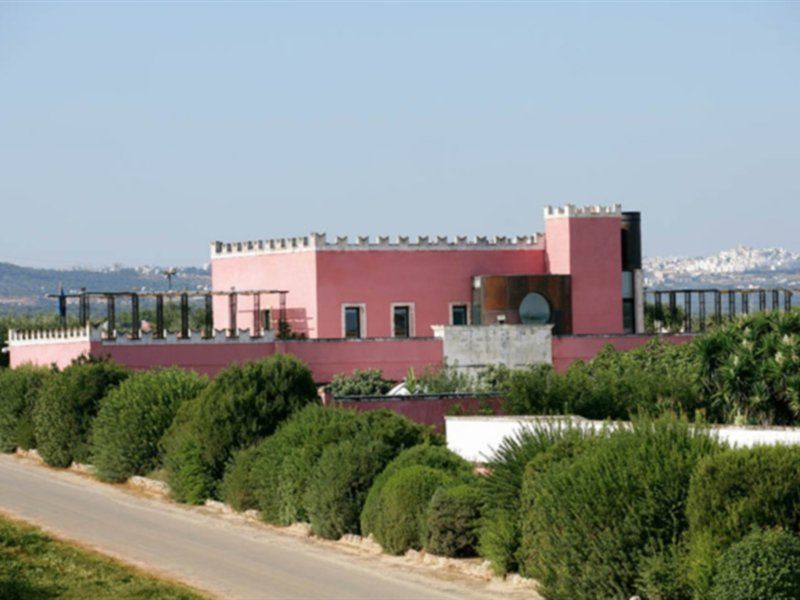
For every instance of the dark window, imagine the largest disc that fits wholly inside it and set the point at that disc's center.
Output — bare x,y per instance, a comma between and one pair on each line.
628,316
402,321
266,320
352,322
459,314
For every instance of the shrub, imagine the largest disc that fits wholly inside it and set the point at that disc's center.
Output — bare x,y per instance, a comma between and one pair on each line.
500,532
19,389
284,462
765,564
734,491
750,369
190,477
66,407
405,498
453,519
360,383
238,487
242,405
658,377
435,457
339,483
567,445
663,574
340,480
599,517
134,416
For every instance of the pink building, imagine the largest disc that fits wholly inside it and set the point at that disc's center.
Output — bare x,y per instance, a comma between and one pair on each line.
399,303
571,276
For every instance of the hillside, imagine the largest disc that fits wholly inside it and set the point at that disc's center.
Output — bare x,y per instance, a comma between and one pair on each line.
27,288
742,266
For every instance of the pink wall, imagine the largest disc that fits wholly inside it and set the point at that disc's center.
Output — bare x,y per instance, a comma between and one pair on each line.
327,358
428,411
207,359
429,279
47,353
294,271
590,250
567,349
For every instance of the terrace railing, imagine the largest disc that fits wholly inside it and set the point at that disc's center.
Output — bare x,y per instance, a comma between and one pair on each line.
694,310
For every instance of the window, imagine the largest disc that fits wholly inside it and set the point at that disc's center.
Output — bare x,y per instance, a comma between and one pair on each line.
266,320
534,310
401,321
352,321
458,314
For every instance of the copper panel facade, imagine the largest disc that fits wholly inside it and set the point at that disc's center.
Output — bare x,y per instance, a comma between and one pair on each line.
501,295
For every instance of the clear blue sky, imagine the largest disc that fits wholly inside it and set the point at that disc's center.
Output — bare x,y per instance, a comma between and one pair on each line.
138,133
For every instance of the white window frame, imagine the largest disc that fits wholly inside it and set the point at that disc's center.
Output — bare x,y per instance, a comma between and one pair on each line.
362,325
412,332
450,311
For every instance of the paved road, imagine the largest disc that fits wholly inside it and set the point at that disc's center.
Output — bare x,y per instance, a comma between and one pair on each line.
230,560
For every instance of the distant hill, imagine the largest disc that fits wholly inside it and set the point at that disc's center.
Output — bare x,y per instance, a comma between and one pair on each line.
26,288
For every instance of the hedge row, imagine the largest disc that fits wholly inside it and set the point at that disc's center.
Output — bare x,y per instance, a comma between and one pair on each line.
746,371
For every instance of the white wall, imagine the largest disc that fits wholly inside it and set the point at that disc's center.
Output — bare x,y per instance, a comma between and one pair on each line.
477,438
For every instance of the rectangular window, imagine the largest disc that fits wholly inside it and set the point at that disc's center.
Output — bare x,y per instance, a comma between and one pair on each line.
459,314
352,322
401,326
266,320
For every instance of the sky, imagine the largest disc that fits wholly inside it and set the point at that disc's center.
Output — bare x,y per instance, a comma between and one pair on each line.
138,133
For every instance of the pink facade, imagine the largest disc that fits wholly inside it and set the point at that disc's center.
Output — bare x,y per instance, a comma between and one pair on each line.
428,275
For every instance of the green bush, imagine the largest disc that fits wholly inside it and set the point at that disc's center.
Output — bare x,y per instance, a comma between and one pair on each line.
656,378
404,501
134,416
285,460
360,383
663,574
238,487
433,456
19,390
599,517
67,405
189,475
750,369
734,491
500,531
453,519
340,480
242,405
555,452
765,564
338,485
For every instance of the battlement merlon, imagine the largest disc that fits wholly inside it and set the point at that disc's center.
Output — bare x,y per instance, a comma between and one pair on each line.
572,211
320,242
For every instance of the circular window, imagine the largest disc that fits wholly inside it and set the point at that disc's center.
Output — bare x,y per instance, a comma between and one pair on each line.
534,310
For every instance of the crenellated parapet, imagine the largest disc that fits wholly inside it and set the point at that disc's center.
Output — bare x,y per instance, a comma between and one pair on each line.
320,242
572,211
31,337
98,334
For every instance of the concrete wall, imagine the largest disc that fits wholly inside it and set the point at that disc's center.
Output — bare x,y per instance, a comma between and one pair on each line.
470,348
477,438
